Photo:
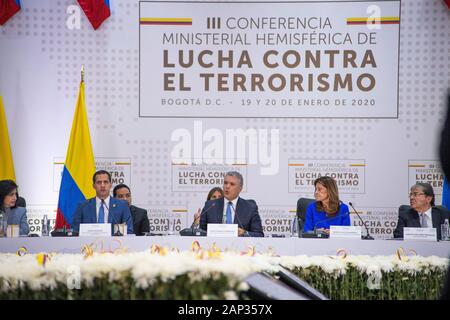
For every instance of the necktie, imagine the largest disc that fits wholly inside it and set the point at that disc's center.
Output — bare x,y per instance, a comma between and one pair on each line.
229,212
101,214
423,220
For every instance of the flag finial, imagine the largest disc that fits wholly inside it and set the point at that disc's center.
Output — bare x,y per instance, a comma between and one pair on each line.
82,73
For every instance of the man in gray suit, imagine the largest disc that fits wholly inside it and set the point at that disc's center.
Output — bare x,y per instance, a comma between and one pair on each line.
139,215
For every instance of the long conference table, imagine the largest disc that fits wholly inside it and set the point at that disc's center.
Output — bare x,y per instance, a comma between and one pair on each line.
278,246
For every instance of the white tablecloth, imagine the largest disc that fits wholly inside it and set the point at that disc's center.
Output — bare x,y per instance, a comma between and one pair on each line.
280,246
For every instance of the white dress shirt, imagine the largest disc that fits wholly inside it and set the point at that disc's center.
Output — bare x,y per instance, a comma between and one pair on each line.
233,209
428,218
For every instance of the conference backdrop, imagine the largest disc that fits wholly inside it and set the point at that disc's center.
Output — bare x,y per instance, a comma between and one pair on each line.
179,93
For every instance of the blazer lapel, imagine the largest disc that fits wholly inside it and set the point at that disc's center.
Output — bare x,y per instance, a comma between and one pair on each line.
436,218
133,212
111,212
239,206
415,220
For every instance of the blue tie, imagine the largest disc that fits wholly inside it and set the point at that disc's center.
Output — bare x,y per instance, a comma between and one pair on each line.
229,212
101,214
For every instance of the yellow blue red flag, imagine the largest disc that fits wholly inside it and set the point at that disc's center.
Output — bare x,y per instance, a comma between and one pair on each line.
79,167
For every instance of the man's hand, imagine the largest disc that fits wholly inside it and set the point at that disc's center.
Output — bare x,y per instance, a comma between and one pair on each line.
323,230
197,217
241,232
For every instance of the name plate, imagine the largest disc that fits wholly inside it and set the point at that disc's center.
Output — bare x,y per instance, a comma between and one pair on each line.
222,230
345,232
423,234
95,230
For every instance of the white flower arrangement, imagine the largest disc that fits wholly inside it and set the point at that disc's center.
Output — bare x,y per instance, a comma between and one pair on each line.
145,268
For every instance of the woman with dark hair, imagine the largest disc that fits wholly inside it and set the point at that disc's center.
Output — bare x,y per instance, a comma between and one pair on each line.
214,193
327,210
12,214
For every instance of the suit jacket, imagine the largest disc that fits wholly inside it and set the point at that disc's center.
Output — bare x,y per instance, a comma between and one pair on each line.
246,215
140,221
408,217
119,212
18,216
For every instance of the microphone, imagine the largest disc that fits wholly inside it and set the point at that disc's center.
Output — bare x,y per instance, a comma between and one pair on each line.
190,231
112,217
237,217
117,233
367,236
327,219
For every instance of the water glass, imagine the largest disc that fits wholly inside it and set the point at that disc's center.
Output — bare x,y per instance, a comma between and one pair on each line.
444,232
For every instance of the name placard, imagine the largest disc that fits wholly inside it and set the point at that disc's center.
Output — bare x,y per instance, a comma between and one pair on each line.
222,230
95,230
423,234
353,232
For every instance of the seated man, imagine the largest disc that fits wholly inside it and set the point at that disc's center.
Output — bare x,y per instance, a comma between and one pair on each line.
423,213
102,208
139,215
233,209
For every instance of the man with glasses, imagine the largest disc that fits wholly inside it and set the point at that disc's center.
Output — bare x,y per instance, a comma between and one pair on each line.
422,212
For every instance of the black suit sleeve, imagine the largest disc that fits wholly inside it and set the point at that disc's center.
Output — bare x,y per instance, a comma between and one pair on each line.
398,232
255,222
145,224
140,220
203,218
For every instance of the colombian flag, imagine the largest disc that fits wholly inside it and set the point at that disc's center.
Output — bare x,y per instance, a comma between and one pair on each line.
96,11
6,160
8,8
79,167
446,194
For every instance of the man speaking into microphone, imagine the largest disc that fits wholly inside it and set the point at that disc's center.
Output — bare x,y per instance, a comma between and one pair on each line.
327,210
232,209
103,208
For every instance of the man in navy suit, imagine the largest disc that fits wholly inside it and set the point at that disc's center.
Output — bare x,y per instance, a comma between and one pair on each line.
103,208
233,209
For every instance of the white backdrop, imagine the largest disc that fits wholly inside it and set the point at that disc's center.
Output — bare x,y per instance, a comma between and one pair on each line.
374,159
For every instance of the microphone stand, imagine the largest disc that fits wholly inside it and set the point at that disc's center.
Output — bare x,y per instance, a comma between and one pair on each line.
367,236
117,233
200,232
239,221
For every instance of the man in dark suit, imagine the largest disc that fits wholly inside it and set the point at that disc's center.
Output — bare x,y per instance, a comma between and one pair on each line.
233,209
103,208
422,213
139,215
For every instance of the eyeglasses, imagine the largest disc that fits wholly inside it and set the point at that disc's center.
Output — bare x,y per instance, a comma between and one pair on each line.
415,194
